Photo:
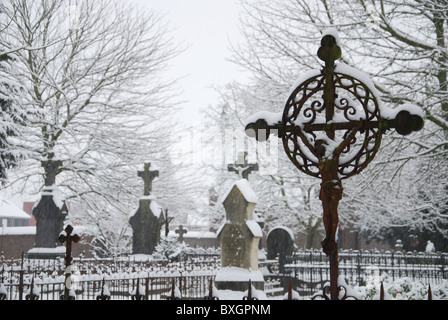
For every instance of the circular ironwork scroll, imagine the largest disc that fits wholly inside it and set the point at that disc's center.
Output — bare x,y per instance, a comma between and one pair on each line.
354,107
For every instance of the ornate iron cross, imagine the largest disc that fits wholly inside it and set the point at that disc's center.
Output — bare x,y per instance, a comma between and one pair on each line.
242,167
331,129
148,176
68,238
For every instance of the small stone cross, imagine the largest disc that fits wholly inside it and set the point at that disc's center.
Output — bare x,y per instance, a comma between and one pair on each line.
148,176
242,167
51,167
181,231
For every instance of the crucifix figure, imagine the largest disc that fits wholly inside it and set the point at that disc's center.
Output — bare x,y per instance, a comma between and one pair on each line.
68,238
181,231
331,129
148,176
51,167
242,167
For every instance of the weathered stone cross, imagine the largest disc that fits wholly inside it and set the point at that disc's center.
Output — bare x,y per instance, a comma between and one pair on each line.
181,231
51,167
242,167
148,176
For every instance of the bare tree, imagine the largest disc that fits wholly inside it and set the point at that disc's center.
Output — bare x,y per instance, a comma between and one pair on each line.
91,84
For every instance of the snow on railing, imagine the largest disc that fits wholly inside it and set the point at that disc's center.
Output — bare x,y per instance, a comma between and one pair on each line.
309,269
120,276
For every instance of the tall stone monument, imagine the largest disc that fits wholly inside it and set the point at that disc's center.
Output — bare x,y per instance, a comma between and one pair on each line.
239,237
243,169
50,212
148,220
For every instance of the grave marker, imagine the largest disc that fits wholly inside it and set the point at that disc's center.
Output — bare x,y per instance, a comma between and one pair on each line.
181,231
280,243
67,238
50,212
239,237
148,219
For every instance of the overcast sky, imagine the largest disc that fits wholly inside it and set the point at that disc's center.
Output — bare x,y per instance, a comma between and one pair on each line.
206,27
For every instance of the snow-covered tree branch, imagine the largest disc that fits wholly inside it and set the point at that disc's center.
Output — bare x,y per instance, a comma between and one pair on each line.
92,89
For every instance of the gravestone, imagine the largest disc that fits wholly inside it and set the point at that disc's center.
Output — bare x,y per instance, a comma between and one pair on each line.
50,212
239,237
280,243
243,168
180,230
148,220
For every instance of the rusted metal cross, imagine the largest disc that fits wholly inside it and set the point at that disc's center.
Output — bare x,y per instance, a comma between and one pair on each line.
331,129
148,176
242,167
68,239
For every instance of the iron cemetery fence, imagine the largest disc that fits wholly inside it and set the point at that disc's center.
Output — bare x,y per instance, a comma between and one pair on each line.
124,287
126,279
308,270
116,280
119,276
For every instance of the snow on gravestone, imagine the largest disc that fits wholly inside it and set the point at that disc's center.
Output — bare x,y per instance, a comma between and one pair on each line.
280,243
50,212
239,237
147,221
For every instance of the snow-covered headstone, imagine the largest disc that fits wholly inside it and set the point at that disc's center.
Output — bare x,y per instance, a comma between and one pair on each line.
50,212
280,243
147,221
239,237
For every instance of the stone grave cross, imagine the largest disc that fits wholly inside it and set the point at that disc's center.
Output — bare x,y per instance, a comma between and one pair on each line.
181,231
51,167
148,176
242,167
148,220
